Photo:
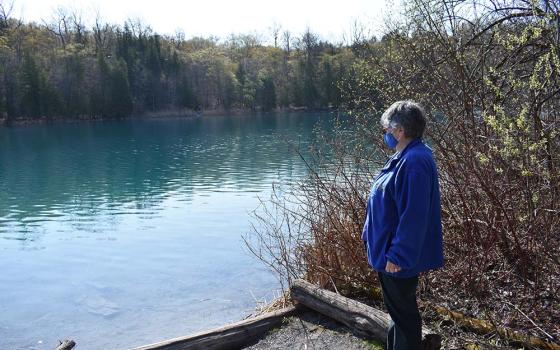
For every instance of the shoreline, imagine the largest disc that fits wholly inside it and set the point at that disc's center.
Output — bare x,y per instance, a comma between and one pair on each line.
172,113
312,316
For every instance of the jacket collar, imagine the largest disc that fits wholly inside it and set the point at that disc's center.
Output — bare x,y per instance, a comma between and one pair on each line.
398,155
410,145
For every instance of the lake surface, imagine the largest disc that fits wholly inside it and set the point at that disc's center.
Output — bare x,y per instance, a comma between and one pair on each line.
122,233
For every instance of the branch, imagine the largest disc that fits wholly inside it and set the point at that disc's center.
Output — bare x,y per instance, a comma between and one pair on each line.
501,20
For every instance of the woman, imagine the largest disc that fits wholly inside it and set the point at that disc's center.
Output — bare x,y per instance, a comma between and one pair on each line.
402,231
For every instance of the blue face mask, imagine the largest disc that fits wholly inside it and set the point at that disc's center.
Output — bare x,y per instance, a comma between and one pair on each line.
390,140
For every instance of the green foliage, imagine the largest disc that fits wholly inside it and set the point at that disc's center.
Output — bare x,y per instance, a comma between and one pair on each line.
187,98
120,101
267,94
38,97
80,73
494,78
112,97
374,344
488,78
30,87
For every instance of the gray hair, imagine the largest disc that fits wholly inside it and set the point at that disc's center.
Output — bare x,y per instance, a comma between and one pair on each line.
407,114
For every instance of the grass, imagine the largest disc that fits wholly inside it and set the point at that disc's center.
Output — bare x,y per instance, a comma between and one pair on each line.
374,344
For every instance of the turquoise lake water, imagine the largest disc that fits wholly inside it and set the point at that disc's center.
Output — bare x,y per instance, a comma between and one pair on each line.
122,233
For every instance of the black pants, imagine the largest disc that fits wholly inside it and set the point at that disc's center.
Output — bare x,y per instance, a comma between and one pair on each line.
399,294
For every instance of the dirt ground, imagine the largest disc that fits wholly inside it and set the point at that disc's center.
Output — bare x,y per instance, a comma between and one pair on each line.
311,330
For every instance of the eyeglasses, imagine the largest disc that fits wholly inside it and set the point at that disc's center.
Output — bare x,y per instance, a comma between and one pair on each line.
389,128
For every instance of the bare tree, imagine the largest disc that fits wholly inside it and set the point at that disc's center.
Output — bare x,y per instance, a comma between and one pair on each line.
358,32
59,25
179,38
101,33
308,43
287,37
78,26
275,30
137,28
5,13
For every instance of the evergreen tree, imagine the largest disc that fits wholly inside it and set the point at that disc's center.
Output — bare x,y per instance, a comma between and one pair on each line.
187,99
228,92
330,92
73,86
30,87
267,94
99,97
70,80
120,99
10,89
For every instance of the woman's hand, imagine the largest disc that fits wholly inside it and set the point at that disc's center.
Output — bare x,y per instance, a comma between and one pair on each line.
392,268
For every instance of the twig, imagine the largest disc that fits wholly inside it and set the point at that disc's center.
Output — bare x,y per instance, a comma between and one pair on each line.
530,320
334,285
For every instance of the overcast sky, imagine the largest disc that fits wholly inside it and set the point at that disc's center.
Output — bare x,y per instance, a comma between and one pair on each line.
328,18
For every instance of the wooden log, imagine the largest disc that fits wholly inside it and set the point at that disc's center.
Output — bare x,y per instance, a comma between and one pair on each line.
232,336
66,345
361,318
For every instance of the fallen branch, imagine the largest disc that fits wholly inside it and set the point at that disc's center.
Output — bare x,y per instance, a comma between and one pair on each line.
551,338
361,318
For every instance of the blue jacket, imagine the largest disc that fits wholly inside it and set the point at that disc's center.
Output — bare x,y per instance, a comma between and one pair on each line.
403,215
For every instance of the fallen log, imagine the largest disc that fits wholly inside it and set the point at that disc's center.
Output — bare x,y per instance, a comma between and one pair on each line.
361,318
66,345
233,336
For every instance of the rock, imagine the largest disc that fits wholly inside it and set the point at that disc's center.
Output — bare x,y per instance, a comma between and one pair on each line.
98,305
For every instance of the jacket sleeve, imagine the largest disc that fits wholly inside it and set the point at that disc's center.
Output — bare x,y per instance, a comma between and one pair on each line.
412,198
366,225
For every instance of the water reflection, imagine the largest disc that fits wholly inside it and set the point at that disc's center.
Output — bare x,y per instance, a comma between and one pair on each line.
77,172
130,230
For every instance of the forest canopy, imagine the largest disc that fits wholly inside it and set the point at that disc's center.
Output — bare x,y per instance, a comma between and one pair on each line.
63,68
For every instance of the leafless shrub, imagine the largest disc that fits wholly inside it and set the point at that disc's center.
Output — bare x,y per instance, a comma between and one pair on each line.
489,75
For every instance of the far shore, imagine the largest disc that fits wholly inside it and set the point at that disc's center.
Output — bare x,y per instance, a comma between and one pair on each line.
174,113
